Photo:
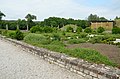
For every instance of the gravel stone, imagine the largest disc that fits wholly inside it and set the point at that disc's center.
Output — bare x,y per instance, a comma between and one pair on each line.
16,63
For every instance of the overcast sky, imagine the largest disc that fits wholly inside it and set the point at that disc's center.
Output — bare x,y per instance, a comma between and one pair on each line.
77,9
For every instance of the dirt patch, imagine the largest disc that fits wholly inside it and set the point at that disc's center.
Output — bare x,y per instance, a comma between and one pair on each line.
111,51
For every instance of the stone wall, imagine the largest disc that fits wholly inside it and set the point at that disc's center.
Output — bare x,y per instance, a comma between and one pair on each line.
105,25
79,66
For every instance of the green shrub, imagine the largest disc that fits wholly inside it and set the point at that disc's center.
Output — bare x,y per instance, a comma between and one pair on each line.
56,36
88,30
116,30
35,29
69,29
19,35
76,41
12,35
36,39
83,35
48,29
79,29
4,32
96,40
100,30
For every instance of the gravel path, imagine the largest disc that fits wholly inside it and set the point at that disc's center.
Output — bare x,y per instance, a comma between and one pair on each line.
18,64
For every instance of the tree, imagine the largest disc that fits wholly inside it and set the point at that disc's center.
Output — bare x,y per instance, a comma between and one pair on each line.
18,23
29,18
102,19
100,30
92,17
1,15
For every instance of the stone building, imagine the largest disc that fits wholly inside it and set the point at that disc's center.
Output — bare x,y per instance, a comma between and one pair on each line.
117,22
107,25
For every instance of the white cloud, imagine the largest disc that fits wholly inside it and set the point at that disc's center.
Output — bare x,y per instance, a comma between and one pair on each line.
15,9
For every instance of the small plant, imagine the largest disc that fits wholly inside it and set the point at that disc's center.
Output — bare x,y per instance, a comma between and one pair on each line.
116,30
76,41
88,30
69,29
79,29
19,35
100,30
12,35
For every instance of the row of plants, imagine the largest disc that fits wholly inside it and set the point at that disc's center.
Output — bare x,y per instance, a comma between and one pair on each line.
57,41
13,34
106,39
58,45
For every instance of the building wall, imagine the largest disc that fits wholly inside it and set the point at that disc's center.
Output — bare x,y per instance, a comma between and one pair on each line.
117,22
105,25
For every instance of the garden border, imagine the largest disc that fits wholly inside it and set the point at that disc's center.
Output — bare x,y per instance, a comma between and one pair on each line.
79,66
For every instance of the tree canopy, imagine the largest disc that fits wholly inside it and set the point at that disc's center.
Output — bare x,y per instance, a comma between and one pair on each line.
1,15
95,17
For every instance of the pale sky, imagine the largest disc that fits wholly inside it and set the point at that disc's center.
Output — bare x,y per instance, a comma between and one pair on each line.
76,9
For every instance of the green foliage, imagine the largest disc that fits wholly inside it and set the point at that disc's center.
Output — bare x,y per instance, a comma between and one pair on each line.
76,41
12,35
116,30
83,35
100,30
69,29
35,29
39,29
88,30
79,29
56,36
36,39
43,40
19,35
4,32
92,17
1,15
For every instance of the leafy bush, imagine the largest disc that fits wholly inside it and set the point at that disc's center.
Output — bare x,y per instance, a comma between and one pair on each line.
12,35
35,29
69,29
48,29
83,35
100,30
36,39
45,29
4,32
88,30
19,35
96,40
79,29
116,30
76,41
56,36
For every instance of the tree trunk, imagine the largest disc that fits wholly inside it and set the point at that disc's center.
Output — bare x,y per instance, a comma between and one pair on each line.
27,28
6,26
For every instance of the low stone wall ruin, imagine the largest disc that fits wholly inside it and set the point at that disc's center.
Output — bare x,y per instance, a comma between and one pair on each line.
79,66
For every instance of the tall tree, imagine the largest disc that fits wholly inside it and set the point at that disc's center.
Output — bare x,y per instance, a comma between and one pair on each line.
18,23
29,18
92,17
1,15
